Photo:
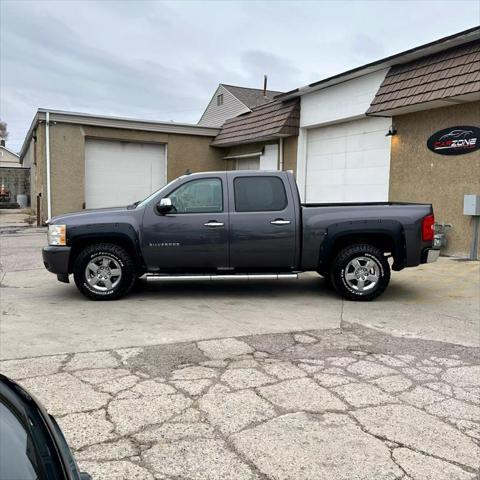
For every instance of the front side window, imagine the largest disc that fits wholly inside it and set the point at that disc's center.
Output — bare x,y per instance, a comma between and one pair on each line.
259,194
220,99
198,196
17,452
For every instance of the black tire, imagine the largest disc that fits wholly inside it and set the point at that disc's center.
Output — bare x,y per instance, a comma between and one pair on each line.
118,257
349,288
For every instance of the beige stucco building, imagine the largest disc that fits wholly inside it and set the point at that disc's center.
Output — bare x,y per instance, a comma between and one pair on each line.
86,146
434,104
419,175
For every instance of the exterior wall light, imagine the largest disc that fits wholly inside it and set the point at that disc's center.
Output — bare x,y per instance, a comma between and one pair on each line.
391,132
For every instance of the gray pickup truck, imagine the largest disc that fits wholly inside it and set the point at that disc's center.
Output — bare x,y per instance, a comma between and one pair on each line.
238,224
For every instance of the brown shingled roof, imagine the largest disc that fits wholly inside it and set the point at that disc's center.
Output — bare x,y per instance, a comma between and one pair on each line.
446,74
272,120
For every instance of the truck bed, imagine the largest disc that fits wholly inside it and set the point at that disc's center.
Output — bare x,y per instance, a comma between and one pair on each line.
327,222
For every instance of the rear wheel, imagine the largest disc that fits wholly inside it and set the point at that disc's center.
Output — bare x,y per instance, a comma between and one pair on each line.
360,272
104,271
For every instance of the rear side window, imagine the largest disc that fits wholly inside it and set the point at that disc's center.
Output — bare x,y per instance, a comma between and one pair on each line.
259,194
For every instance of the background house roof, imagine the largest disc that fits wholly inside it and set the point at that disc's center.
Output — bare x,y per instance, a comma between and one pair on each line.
251,97
272,120
447,74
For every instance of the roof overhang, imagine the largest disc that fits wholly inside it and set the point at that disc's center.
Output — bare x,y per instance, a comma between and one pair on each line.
244,155
267,122
61,116
12,165
436,46
260,139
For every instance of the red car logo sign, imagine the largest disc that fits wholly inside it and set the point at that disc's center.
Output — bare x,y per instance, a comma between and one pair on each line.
455,140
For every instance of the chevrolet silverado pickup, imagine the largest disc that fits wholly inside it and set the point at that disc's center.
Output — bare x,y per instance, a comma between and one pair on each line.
238,225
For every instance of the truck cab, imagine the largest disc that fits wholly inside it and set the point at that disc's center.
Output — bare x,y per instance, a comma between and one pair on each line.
246,221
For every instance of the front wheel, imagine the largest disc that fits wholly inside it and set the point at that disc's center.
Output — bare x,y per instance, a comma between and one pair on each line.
360,272
104,271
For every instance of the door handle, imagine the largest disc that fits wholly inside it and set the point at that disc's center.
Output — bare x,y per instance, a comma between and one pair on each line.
280,221
213,224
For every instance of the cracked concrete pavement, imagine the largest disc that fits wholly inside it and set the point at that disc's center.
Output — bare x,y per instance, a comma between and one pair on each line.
257,380
350,403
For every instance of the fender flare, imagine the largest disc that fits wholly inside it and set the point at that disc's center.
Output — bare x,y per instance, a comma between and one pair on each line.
392,229
124,233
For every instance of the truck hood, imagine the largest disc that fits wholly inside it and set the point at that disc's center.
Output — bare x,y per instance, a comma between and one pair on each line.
88,216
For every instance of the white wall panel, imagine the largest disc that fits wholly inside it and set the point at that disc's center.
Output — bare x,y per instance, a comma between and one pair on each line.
269,159
337,103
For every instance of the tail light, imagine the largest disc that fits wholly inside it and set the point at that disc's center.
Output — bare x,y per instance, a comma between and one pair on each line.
428,226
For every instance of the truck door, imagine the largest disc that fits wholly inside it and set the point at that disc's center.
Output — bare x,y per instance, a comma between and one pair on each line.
193,236
262,222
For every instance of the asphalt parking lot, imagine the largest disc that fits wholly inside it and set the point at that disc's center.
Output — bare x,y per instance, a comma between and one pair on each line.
257,380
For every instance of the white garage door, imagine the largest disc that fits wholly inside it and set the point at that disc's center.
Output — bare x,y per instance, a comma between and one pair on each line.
348,162
120,173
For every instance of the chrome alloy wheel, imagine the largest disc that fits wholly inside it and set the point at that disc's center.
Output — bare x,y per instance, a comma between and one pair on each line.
103,273
362,274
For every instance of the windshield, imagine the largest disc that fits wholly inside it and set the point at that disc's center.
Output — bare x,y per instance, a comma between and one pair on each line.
154,194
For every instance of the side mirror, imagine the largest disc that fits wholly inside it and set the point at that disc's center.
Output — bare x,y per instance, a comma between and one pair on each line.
164,206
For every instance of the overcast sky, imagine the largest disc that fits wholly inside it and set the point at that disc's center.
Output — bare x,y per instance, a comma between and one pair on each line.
163,60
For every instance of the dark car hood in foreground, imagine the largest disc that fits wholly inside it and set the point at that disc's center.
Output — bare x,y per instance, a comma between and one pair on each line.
31,412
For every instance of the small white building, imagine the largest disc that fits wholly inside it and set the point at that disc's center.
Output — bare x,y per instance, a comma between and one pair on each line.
8,158
229,101
14,178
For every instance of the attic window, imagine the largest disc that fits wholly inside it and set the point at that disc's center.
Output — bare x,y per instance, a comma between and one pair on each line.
220,99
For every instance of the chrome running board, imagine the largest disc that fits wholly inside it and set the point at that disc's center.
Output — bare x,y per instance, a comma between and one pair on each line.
249,276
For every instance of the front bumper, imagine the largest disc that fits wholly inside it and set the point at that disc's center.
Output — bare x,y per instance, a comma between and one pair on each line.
56,259
431,255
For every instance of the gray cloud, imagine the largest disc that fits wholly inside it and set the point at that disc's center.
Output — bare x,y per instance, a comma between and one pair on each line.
162,60
256,63
366,46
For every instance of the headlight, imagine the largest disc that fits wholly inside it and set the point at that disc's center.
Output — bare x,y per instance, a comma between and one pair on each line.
57,234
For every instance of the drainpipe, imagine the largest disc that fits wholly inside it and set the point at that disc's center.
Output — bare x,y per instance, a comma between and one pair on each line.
47,149
280,153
